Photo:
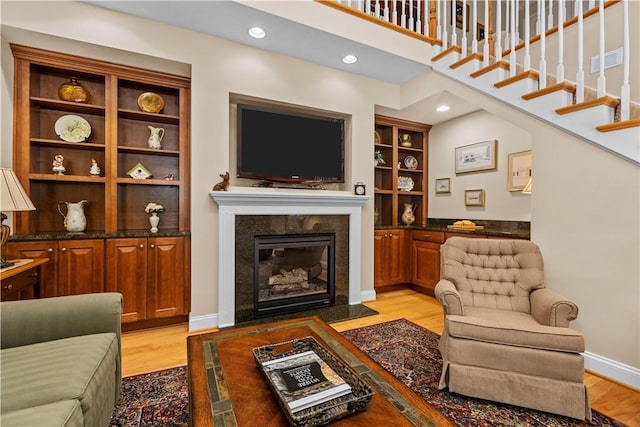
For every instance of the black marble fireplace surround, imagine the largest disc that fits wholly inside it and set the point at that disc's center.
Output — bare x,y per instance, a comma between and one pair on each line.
247,227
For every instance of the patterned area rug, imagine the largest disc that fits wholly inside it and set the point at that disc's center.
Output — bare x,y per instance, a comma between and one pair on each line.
410,353
156,399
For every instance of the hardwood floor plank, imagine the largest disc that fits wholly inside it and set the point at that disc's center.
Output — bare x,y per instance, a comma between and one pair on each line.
162,348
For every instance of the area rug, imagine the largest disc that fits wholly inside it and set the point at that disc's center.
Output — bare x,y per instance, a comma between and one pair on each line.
156,399
406,350
410,353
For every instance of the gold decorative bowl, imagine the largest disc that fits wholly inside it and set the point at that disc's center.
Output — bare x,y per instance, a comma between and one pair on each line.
150,102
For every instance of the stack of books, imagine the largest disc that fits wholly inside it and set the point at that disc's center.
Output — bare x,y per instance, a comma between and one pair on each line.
304,380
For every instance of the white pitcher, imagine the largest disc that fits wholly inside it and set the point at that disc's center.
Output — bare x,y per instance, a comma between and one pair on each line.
155,137
74,220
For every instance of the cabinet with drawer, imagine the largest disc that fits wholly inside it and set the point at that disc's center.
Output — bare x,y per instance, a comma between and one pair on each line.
425,258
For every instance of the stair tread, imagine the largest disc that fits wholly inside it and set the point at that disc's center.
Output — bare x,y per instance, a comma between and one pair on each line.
624,124
566,86
527,74
605,100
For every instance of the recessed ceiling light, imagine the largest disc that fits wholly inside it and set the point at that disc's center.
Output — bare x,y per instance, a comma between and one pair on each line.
442,108
349,59
257,32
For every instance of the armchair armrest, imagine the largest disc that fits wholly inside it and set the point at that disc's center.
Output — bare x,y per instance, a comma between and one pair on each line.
38,320
447,294
551,309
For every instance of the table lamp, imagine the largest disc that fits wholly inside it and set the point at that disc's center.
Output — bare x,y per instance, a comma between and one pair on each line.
12,198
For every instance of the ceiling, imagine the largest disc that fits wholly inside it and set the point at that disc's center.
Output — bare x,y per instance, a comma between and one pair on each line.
231,20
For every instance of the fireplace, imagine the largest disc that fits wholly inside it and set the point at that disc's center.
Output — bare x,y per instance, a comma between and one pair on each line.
311,250
246,212
293,273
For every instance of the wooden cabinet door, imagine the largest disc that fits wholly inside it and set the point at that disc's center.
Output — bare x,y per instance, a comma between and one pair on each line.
80,266
166,277
395,258
127,273
39,249
425,261
390,264
379,271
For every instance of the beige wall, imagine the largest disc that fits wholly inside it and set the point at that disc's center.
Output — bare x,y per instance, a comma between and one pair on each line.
585,210
500,204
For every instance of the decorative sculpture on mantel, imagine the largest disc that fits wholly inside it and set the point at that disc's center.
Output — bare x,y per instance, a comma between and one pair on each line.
224,184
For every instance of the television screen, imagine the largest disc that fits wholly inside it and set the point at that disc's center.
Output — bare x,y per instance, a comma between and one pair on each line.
277,145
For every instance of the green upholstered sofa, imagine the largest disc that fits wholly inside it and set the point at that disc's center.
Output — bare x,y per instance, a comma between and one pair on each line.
60,360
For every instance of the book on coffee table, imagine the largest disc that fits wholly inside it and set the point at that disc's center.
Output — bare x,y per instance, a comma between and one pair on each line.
304,380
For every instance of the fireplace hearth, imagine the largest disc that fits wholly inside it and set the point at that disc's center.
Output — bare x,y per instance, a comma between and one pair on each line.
293,272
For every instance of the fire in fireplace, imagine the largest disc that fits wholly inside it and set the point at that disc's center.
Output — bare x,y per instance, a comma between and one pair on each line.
293,272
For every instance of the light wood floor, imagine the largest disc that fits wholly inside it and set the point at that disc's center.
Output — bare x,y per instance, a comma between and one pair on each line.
162,348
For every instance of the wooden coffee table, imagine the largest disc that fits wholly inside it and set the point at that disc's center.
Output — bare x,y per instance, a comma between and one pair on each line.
226,387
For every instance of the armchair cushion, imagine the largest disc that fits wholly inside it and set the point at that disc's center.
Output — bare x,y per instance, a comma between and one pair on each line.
513,328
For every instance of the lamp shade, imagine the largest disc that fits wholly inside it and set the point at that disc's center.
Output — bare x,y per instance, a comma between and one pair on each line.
12,195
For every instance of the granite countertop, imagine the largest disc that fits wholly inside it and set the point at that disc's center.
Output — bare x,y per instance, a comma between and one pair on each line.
517,229
62,235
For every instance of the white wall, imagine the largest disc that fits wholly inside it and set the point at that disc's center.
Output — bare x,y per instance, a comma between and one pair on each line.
500,204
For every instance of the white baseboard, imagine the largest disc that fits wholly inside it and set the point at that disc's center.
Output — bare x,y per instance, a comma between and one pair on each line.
609,368
206,321
369,295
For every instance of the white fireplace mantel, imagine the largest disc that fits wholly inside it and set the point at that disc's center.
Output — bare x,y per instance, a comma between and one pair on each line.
271,201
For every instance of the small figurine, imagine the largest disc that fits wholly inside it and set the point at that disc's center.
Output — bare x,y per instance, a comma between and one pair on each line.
58,165
224,184
95,169
169,177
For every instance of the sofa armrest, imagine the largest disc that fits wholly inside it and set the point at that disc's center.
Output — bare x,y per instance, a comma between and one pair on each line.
447,294
551,309
39,320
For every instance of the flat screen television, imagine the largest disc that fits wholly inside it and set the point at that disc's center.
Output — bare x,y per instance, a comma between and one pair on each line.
284,146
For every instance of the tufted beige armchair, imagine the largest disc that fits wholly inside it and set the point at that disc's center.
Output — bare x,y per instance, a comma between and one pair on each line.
506,337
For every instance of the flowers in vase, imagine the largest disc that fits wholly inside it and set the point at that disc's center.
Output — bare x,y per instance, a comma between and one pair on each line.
154,208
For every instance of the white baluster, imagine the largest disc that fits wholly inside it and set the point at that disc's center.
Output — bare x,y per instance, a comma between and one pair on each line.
454,35
543,41
550,17
592,4
394,14
474,28
438,20
498,41
445,36
376,10
463,41
518,20
527,36
602,82
386,10
580,72
419,20
625,90
411,21
507,41
403,18
512,52
485,47
538,19
367,7
560,69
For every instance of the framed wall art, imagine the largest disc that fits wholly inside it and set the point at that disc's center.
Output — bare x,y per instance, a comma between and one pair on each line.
459,10
443,185
477,157
518,170
474,197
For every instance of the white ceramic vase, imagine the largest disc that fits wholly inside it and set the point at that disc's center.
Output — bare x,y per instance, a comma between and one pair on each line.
154,220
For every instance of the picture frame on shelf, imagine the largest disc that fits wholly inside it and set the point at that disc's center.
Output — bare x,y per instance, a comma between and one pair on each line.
477,157
518,170
474,197
443,185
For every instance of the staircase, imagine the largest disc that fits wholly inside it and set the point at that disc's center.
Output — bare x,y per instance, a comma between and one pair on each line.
561,98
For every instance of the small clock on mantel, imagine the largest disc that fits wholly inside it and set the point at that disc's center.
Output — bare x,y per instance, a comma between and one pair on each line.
359,189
